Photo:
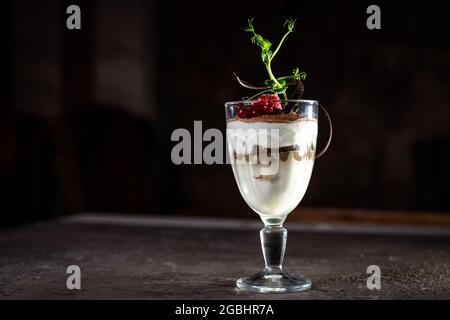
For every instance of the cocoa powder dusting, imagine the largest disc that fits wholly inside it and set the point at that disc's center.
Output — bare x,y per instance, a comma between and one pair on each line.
275,118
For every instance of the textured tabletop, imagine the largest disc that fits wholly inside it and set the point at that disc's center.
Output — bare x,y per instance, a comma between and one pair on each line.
124,257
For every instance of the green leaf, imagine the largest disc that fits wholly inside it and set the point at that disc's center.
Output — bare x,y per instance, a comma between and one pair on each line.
279,90
259,40
273,85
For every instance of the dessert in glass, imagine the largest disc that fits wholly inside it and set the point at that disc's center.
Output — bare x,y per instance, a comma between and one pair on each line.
271,141
272,158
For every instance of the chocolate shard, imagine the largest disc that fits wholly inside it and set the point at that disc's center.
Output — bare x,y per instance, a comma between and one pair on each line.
297,94
248,85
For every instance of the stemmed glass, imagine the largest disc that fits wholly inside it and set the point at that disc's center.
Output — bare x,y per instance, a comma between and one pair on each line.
272,158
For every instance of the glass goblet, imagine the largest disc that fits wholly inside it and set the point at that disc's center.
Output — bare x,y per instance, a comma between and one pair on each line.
272,158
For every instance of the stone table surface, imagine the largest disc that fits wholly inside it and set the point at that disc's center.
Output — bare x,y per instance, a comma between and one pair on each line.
131,257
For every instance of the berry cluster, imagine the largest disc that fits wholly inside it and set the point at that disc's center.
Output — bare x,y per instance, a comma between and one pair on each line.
265,104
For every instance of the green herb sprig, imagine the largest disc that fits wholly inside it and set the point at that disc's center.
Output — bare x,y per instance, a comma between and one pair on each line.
275,85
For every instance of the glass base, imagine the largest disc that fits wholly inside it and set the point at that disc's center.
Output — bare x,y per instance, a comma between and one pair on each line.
273,282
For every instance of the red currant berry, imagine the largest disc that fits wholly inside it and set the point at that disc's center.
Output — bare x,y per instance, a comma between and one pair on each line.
255,113
267,109
242,112
265,101
258,105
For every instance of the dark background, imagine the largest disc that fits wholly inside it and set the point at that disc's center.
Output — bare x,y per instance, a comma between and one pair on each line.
86,115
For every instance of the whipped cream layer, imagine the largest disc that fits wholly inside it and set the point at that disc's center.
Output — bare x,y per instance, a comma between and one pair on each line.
273,194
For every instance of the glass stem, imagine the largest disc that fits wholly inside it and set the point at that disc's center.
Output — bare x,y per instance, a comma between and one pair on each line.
273,243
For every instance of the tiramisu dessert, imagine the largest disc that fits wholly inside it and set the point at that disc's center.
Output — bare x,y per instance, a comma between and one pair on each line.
272,156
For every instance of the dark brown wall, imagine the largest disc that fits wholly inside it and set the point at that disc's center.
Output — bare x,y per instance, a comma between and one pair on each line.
386,90
104,101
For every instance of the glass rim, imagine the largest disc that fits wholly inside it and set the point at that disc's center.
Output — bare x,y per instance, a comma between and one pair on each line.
232,103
